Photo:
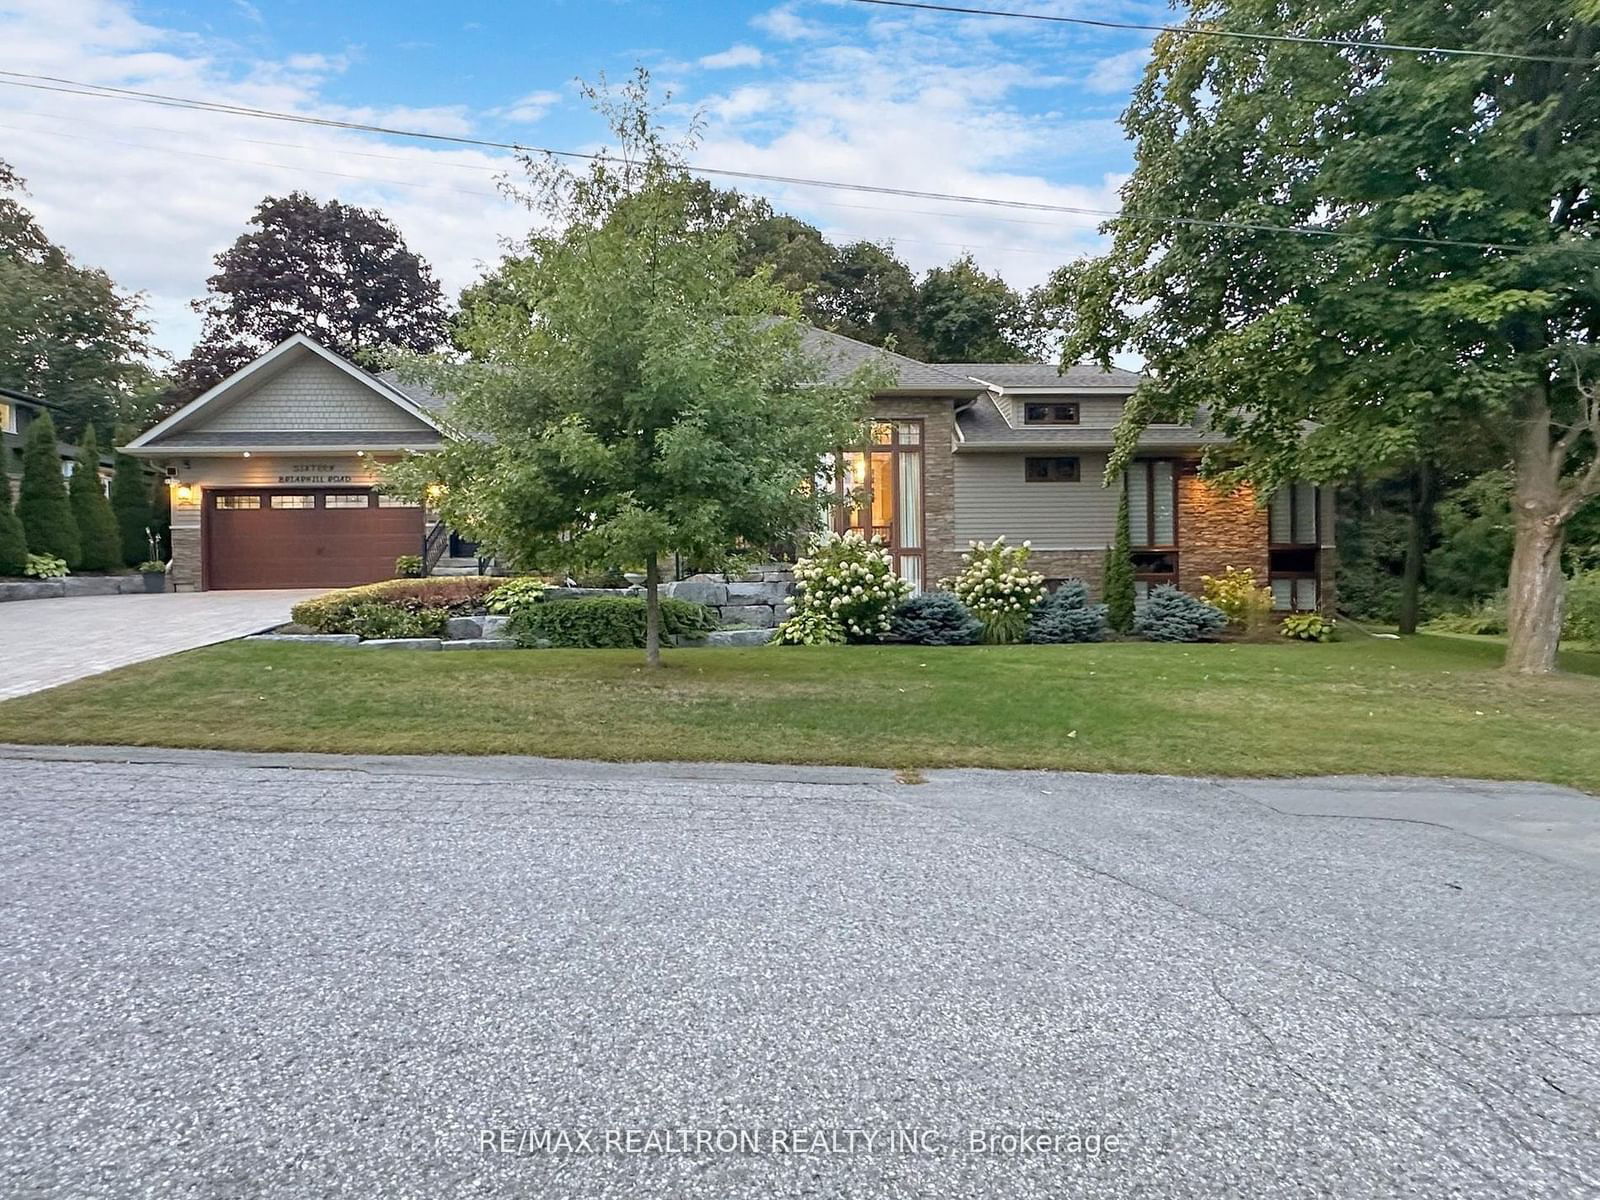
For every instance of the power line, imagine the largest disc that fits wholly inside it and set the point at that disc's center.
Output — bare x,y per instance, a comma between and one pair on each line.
1207,31
73,87
386,181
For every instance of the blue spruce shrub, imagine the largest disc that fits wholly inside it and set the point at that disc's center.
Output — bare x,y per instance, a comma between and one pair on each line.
1066,615
1173,616
935,619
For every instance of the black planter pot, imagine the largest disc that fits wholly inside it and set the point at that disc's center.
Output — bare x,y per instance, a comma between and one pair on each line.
154,581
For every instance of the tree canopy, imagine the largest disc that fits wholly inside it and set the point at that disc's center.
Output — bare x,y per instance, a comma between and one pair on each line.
631,392
336,272
67,335
1446,286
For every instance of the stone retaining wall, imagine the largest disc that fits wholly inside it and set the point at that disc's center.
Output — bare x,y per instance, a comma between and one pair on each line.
76,585
758,599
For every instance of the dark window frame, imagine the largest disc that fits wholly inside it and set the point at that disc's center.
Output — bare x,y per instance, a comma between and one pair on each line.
1293,495
891,448
1150,506
1053,461
1053,408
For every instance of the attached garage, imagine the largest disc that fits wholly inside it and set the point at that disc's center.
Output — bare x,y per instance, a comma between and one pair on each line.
275,473
301,538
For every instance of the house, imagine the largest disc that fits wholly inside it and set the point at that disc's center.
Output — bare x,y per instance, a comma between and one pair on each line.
18,410
273,475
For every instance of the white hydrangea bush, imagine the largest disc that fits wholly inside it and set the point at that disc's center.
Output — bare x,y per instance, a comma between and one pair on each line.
999,588
845,589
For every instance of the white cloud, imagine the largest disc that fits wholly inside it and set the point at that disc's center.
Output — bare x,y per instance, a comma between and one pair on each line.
734,56
152,194
786,24
1118,73
902,108
530,108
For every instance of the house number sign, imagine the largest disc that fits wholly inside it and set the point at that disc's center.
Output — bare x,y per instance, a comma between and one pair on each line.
314,473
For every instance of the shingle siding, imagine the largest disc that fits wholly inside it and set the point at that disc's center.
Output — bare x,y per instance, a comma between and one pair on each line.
311,394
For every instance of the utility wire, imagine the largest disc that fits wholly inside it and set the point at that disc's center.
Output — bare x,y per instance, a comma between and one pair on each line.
1208,31
50,83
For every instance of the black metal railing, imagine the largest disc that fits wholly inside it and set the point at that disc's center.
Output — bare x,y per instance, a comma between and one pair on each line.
434,543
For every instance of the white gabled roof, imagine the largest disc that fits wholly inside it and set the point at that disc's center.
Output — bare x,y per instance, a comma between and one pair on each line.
264,365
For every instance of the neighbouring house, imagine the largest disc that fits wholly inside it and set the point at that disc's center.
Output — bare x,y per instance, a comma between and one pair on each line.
18,410
274,471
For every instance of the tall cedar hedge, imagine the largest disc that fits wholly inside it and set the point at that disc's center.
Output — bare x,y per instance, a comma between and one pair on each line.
130,503
99,542
13,547
42,505
1119,588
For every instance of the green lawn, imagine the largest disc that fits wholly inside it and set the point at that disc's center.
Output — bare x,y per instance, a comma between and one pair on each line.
1425,706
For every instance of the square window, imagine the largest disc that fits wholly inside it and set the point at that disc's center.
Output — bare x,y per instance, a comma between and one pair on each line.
1050,414
1055,469
346,500
910,432
294,501
238,502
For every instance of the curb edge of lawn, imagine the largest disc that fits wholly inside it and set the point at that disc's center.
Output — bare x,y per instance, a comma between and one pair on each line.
528,767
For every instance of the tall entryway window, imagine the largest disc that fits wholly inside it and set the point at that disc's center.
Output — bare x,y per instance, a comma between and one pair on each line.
880,490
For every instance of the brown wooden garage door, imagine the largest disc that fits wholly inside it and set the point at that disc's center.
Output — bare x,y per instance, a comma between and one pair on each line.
303,537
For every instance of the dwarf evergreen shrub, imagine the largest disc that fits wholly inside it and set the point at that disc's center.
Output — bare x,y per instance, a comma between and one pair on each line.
99,540
1173,616
1066,615
604,622
42,505
935,619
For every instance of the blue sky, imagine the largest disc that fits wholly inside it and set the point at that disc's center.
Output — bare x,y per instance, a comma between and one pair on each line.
816,88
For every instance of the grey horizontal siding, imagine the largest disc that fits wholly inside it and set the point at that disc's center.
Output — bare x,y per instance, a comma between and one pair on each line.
1094,412
992,498
310,395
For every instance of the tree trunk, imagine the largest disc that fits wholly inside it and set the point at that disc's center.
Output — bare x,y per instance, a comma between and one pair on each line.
1535,594
652,611
1536,591
1416,545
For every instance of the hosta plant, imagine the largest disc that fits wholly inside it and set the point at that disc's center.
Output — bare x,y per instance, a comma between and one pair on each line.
848,580
810,629
999,588
516,594
1309,627
45,566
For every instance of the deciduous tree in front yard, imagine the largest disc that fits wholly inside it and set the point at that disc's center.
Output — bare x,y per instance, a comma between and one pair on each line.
629,393
1393,249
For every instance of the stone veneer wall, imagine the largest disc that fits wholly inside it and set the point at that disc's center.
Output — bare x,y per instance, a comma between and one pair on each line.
1087,565
1216,530
184,573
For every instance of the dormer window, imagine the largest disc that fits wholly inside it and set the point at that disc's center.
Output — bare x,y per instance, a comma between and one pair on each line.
1050,414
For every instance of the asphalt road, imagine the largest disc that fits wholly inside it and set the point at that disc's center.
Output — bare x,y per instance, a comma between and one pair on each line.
254,976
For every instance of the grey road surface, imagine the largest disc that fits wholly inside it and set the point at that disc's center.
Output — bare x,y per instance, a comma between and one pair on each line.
293,976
